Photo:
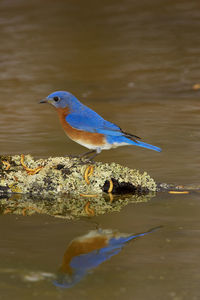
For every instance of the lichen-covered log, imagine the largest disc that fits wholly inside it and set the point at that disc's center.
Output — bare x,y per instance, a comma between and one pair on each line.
69,187
59,175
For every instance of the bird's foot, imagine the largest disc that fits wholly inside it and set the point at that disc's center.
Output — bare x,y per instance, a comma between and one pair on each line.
85,157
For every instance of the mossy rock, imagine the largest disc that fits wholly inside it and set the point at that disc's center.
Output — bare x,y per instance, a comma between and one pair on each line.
66,175
64,188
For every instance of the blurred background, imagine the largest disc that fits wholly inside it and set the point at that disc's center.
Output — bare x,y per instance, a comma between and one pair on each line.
137,64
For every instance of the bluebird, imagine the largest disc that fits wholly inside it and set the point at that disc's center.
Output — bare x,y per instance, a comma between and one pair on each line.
89,251
84,126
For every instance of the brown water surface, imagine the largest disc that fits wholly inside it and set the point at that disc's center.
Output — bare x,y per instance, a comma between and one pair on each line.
135,63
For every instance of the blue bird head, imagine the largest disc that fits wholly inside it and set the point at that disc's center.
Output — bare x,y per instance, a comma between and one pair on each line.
61,99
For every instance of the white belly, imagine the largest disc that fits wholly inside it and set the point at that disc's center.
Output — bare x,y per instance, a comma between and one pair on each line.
106,146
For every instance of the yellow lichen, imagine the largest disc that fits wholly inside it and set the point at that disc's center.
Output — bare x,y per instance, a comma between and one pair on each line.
14,188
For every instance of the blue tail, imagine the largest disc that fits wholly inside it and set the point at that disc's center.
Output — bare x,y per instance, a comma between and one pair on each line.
145,145
122,139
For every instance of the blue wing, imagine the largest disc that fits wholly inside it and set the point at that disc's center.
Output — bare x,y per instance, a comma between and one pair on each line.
90,121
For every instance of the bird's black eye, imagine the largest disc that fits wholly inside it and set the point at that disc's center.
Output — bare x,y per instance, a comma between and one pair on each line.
56,98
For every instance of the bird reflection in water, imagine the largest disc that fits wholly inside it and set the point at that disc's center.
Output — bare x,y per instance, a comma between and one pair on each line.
86,252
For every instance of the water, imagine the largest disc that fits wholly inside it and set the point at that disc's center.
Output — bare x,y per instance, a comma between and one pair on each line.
135,63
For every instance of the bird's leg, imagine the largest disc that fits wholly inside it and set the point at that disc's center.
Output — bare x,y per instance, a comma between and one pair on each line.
97,151
82,155
90,158
87,153
93,156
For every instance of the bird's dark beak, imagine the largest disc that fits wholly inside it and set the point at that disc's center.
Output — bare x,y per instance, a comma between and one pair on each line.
43,101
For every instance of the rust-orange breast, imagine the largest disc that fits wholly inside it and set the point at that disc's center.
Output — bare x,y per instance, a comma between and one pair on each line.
96,139
78,247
